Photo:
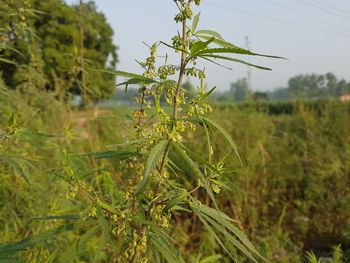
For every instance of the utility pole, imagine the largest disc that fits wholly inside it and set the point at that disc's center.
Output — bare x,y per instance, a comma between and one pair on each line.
249,74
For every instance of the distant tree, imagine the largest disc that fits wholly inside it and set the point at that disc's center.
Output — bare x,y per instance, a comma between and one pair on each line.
55,43
309,86
240,90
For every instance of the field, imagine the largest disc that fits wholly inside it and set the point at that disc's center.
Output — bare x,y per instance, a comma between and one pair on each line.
290,196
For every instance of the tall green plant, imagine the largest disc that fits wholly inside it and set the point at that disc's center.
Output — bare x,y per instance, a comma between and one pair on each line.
157,155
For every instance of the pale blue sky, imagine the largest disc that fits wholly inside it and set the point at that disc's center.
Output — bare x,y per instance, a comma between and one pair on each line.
313,34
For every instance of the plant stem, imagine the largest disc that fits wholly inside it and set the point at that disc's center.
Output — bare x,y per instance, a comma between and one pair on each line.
177,91
174,117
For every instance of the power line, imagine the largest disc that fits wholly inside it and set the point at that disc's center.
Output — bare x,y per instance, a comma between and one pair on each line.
306,15
326,10
245,12
331,7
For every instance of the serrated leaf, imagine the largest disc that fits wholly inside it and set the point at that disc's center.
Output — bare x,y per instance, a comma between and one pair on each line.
152,161
17,164
237,60
225,134
196,171
177,200
200,159
212,232
226,221
207,94
233,50
9,249
229,237
218,41
103,224
165,248
137,81
195,22
117,155
210,33
133,78
170,46
73,251
198,46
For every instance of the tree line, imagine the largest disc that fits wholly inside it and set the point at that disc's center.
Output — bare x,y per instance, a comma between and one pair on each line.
51,45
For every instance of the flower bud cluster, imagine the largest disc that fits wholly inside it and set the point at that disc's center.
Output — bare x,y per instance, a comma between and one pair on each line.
178,43
120,221
138,243
159,217
165,71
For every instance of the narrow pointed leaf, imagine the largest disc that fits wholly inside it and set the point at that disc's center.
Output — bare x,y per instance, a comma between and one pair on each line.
195,22
231,238
232,50
198,46
116,155
196,171
218,41
210,33
4,60
212,232
237,60
225,134
152,161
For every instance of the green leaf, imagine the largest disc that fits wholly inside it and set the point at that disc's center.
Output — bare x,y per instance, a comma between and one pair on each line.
104,225
152,161
237,60
200,159
196,171
70,254
117,155
165,248
122,74
198,46
195,22
212,232
133,78
177,200
170,46
232,50
225,221
207,94
210,33
137,81
214,213
42,238
19,165
231,238
218,41
62,217
210,259
225,134
4,60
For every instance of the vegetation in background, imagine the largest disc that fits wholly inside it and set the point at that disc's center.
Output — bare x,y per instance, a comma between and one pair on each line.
44,37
